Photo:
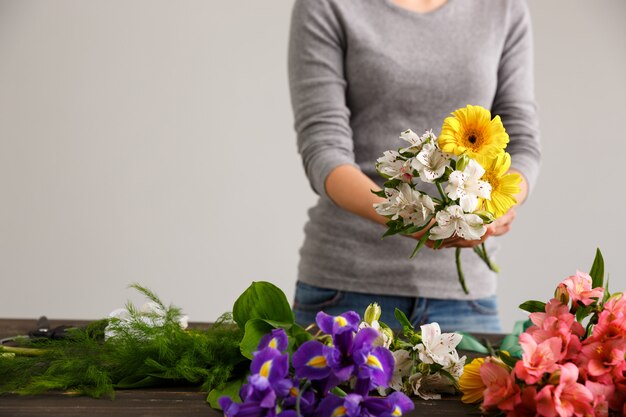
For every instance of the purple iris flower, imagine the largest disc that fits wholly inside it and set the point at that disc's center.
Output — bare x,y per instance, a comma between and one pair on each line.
247,409
395,405
374,364
269,367
348,406
333,325
277,339
307,401
314,360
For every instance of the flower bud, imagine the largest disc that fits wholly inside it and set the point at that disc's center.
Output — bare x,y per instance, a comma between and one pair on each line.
387,334
462,162
372,313
562,294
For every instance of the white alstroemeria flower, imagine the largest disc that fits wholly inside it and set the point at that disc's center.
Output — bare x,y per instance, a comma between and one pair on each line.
412,206
456,369
430,386
393,166
391,206
416,208
467,187
402,368
437,347
453,221
151,314
415,141
430,162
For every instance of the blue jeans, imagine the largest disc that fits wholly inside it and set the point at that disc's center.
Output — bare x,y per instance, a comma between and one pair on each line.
479,315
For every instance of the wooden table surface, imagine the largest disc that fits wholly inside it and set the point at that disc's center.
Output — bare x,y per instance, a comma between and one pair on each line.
155,402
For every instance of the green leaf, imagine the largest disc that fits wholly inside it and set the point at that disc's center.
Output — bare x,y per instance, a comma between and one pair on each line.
262,300
297,336
583,312
392,183
470,343
533,306
597,270
508,360
380,193
607,294
419,245
402,319
510,343
254,330
229,389
438,244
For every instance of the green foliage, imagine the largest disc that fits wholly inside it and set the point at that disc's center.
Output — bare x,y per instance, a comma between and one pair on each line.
597,270
139,355
262,300
533,306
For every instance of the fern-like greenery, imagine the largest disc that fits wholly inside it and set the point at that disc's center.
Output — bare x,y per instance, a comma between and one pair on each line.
140,355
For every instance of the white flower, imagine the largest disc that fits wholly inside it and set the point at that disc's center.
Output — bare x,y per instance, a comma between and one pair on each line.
402,368
467,187
456,368
430,162
453,220
151,314
415,142
406,203
393,166
430,386
437,347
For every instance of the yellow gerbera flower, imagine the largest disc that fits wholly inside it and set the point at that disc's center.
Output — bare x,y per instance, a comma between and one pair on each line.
504,185
470,383
472,131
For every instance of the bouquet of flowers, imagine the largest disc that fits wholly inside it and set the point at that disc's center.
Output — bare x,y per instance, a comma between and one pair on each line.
468,166
572,356
313,388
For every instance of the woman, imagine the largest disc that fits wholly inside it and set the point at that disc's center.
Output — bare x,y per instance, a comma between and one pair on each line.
360,72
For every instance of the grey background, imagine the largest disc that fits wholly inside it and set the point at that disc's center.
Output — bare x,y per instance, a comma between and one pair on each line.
152,142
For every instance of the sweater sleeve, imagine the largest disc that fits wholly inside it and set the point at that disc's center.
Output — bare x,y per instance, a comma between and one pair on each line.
514,100
318,90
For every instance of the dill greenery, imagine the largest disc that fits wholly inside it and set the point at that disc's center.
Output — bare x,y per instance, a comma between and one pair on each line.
140,355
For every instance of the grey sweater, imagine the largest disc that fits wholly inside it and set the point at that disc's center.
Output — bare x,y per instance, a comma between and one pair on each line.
362,71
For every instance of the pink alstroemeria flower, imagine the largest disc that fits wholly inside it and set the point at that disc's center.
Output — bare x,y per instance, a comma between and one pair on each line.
557,321
599,358
537,359
579,288
567,399
601,394
502,391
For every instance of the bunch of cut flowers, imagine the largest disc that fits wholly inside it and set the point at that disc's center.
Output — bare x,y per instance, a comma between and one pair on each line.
469,167
350,368
572,356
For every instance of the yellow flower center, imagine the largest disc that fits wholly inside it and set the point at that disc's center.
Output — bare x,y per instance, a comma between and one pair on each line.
339,411
265,369
317,362
341,321
294,392
372,361
273,343
396,411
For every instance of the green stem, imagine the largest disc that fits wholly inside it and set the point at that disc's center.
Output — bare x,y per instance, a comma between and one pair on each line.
495,268
443,195
459,270
22,351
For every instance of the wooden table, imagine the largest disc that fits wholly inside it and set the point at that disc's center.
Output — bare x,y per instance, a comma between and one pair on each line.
156,402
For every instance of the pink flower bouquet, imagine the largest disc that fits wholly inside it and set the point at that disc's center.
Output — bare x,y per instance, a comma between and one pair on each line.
572,356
